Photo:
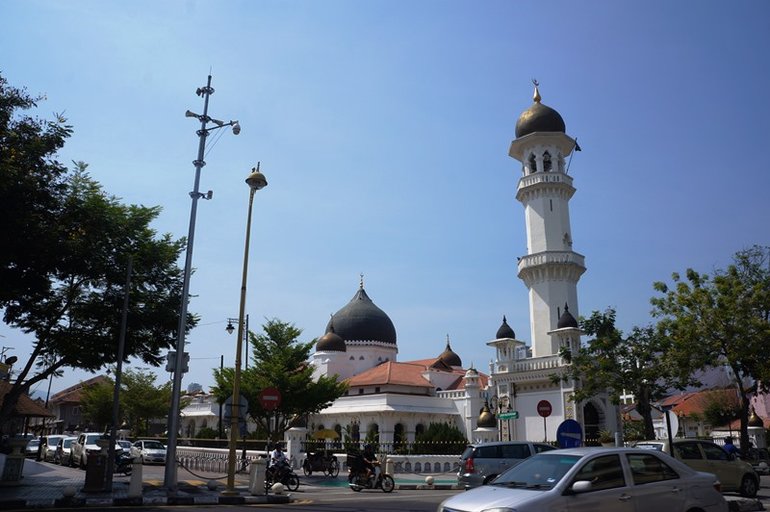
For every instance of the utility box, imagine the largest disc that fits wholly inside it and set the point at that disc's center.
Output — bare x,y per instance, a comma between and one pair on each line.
257,477
96,470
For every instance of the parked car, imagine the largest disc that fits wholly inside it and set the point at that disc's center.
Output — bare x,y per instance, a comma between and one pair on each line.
482,462
49,446
63,453
149,451
33,446
82,446
122,445
595,479
734,474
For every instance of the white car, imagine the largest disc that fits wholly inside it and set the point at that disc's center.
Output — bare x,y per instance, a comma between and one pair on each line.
149,451
49,446
595,479
84,445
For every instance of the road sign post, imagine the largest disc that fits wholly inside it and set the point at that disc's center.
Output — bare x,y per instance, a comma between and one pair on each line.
544,409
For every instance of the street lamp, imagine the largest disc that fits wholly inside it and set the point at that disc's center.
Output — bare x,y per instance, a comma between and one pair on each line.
230,329
170,476
256,181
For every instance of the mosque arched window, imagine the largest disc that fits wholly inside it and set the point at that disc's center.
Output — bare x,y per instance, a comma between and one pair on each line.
399,435
547,162
355,432
419,429
532,163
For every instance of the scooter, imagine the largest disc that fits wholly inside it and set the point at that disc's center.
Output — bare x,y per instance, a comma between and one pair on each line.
358,481
123,463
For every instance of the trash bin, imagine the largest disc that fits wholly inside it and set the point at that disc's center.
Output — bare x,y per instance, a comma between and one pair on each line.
96,469
257,477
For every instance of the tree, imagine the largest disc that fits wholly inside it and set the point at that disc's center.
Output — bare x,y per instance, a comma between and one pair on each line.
722,319
280,361
141,400
63,262
96,406
618,364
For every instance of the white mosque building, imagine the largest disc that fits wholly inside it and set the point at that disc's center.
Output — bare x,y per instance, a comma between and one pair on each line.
395,400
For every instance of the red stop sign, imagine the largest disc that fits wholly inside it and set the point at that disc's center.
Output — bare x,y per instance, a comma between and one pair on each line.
544,408
270,398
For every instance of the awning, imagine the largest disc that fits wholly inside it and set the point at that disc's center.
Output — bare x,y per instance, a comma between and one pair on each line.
25,406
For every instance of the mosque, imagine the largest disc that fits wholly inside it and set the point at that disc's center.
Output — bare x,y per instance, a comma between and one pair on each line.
393,401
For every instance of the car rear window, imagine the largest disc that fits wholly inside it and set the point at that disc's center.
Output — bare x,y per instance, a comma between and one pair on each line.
714,452
487,452
688,451
514,451
467,453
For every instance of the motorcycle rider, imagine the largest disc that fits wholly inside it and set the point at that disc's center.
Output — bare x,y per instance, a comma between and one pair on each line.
370,460
277,458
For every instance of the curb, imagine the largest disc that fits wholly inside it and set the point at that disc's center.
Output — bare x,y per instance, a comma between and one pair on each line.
18,504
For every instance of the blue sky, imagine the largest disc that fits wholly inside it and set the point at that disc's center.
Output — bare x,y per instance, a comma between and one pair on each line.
383,129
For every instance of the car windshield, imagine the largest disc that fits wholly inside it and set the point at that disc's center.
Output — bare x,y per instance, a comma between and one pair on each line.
92,438
67,442
153,445
34,442
541,471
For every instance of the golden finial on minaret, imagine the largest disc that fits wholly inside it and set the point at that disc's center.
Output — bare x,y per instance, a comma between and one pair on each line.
536,96
361,283
447,340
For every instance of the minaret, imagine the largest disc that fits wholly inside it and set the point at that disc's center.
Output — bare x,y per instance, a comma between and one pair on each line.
550,269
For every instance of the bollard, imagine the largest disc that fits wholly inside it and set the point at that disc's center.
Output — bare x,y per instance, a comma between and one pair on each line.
389,466
135,485
257,477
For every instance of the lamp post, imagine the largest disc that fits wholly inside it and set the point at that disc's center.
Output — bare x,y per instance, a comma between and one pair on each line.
230,329
501,404
170,475
256,181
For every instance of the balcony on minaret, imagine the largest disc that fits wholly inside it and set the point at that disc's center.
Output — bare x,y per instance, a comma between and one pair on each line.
567,264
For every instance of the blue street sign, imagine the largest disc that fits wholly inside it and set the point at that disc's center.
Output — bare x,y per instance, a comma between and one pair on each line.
569,434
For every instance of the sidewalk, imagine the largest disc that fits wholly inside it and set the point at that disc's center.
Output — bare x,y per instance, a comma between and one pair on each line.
50,486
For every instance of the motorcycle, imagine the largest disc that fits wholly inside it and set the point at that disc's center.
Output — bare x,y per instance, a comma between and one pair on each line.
123,464
357,480
281,472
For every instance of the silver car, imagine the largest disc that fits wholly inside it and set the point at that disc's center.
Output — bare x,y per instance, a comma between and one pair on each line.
63,453
49,446
482,462
149,451
595,479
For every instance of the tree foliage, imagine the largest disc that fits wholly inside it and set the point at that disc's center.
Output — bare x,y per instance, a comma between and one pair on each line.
722,319
140,401
280,360
616,364
64,258
96,406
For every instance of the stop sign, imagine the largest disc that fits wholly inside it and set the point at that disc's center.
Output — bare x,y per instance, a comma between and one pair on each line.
270,398
544,408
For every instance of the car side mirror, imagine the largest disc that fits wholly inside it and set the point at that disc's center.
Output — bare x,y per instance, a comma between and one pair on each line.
581,486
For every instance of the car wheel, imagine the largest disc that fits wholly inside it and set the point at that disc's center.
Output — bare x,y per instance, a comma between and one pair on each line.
749,487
